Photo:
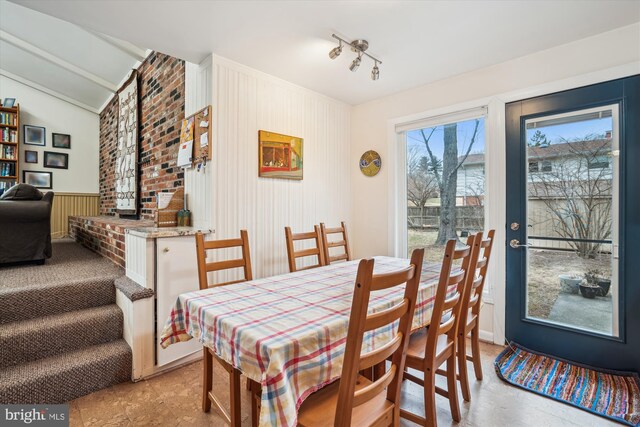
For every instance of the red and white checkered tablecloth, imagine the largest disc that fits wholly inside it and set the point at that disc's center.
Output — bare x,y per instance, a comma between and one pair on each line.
289,332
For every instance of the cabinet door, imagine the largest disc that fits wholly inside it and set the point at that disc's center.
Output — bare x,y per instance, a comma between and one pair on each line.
177,273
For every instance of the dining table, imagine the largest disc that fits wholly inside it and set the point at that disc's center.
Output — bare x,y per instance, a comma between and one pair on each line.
288,332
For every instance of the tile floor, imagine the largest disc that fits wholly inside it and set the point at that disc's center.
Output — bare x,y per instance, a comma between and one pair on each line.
174,399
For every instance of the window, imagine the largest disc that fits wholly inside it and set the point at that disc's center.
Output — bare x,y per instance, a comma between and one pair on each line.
445,183
543,166
599,163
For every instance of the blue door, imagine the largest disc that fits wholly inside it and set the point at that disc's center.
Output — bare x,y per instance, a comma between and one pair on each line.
573,224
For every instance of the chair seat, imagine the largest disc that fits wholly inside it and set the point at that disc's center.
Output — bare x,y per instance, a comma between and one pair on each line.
418,345
319,409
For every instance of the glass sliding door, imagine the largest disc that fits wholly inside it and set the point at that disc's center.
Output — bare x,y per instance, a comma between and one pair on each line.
445,182
572,219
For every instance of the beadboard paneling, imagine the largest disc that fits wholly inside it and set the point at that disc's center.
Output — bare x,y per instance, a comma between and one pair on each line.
198,80
70,204
247,101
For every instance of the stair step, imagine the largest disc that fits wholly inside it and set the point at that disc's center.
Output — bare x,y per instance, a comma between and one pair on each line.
66,376
29,340
44,300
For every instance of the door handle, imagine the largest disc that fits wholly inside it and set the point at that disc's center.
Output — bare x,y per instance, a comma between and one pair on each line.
515,244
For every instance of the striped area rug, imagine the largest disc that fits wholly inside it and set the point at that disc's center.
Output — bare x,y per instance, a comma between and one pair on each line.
611,394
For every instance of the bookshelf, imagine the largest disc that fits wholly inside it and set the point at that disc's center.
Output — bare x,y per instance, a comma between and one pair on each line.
9,144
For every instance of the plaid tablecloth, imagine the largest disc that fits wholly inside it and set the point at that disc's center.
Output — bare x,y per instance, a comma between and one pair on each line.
289,332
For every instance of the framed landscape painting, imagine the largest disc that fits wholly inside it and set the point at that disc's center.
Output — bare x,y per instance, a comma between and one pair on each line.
38,179
34,135
280,156
56,160
61,140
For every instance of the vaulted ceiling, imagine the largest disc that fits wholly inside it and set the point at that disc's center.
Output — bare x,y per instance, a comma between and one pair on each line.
66,60
418,41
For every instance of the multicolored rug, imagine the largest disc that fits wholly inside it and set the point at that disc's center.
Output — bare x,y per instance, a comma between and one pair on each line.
611,394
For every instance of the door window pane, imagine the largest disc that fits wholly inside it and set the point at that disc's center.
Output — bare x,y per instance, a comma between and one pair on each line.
572,219
445,184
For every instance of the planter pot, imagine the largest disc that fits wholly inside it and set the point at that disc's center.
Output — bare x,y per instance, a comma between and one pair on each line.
569,284
589,292
603,287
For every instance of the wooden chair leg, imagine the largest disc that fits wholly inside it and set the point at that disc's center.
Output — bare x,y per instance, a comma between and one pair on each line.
255,402
430,412
452,388
463,375
475,352
207,378
234,398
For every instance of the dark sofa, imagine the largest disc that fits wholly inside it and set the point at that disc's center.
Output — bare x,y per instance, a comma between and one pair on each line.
25,224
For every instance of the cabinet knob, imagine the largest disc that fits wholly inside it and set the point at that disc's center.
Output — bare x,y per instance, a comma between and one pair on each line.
165,250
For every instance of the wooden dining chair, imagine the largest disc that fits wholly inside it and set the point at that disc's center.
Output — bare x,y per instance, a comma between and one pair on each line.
430,348
469,324
343,241
354,399
317,250
233,416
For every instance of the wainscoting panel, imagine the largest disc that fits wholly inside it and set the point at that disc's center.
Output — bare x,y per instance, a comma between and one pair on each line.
70,204
247,101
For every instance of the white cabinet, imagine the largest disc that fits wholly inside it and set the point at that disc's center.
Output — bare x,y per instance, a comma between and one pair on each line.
176,273
162,259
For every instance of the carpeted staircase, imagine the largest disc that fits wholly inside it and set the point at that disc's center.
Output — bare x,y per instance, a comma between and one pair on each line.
60,329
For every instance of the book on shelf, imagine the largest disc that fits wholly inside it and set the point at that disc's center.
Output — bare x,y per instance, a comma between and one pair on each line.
8,152
7,169
6,184
8,119
9,135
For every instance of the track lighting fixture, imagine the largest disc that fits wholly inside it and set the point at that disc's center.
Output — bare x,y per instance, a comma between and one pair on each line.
375,73
356,63
358,46
336,51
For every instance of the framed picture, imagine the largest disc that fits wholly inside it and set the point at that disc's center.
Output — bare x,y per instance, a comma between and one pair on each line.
9,102
38,179
30,156
34,135
61,140
56,160
280,156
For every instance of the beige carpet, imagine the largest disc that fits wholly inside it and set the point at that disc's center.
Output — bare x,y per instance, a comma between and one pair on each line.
70,262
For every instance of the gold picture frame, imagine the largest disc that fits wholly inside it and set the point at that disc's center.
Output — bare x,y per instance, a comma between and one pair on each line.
280,156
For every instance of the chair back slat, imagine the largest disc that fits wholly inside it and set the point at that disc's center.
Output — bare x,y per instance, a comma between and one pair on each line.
384,317
396,348
472,296
343,241
205,267
487,245
367,393
388,280
293,255
380,354
446,306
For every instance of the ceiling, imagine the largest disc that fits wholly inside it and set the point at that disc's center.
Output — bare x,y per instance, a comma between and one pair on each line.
63,59
418,42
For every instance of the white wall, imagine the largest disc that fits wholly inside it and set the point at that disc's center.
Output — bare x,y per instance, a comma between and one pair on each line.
40,109
245,101
371,123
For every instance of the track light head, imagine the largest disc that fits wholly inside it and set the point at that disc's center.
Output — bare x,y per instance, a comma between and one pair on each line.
336,51
355,64
375,73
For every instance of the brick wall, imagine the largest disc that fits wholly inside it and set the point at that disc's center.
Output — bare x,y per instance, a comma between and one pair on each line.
161,96
103,235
